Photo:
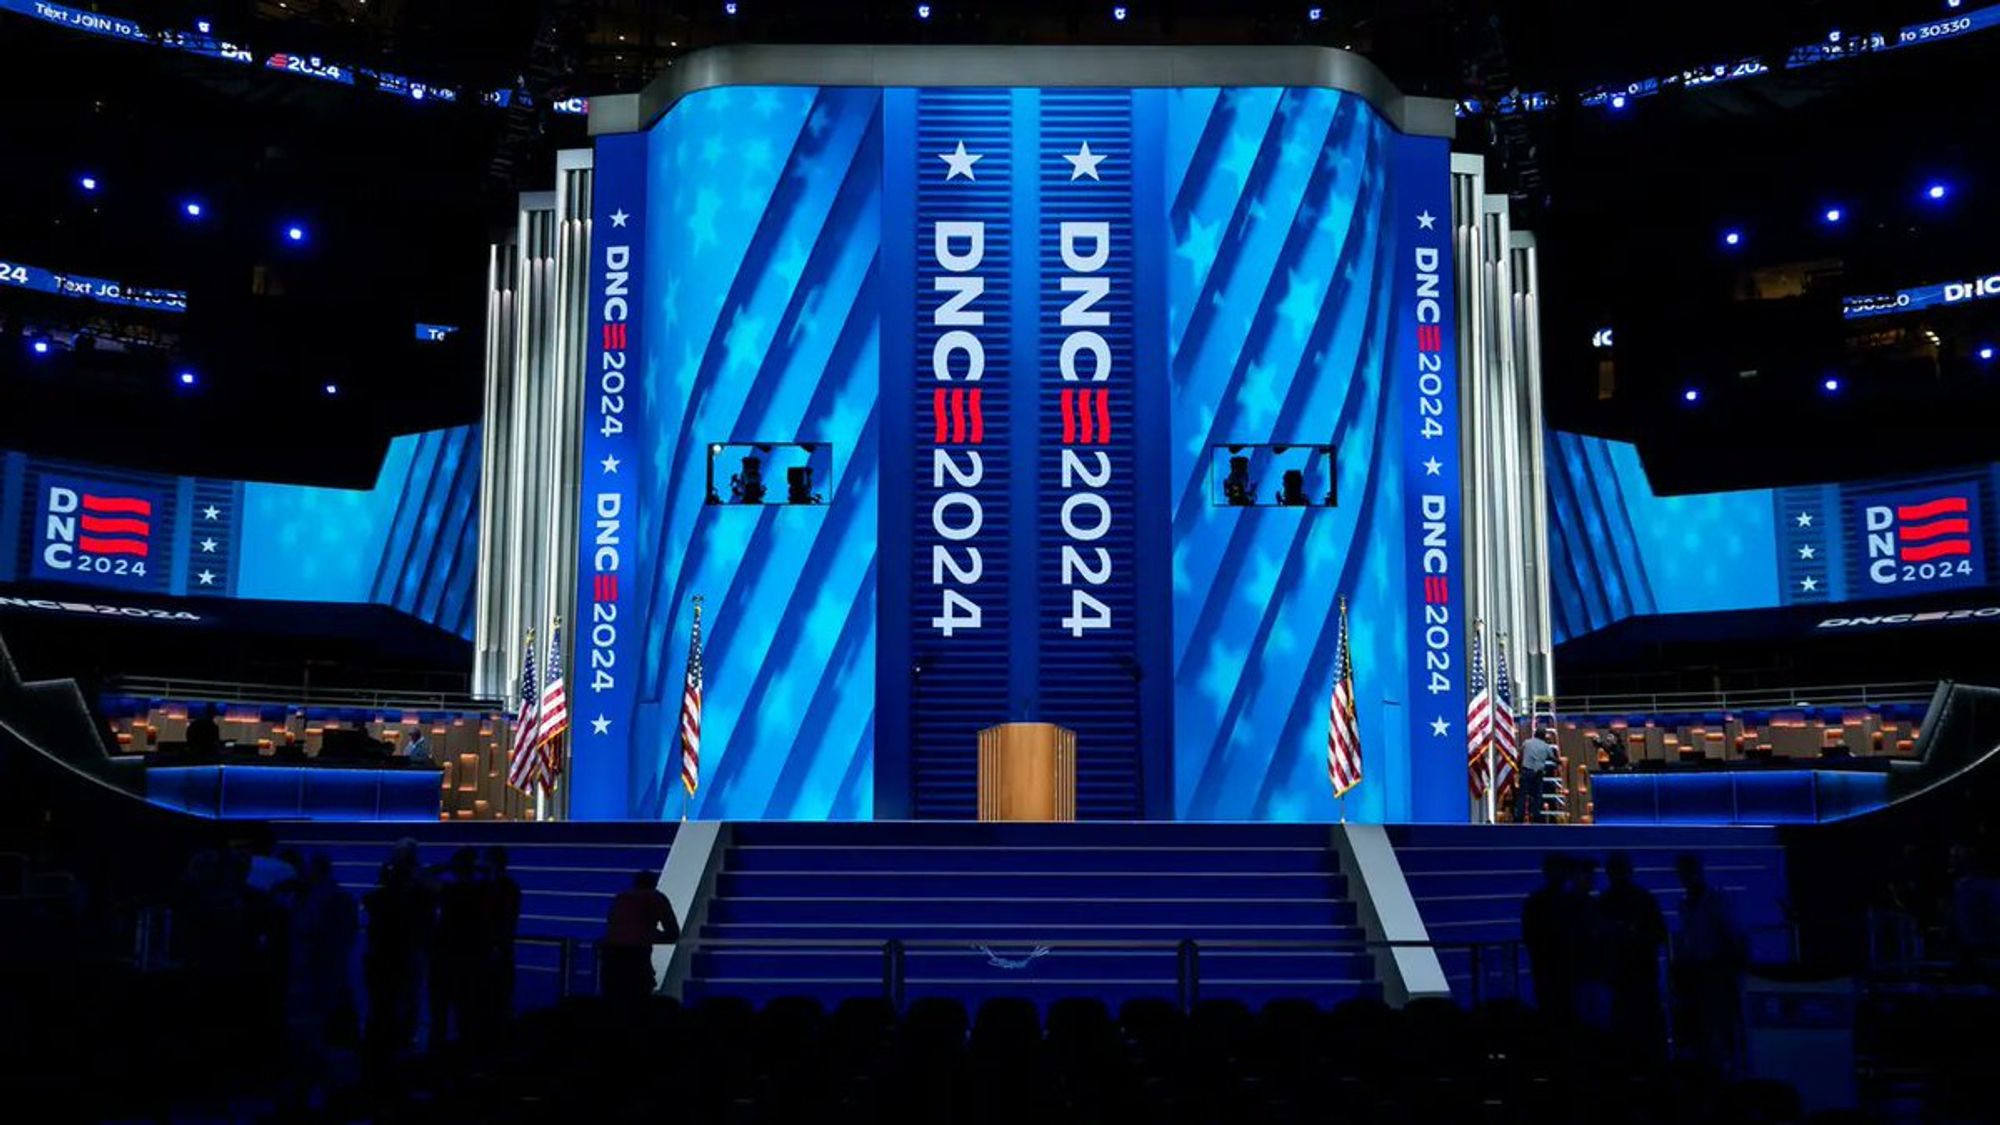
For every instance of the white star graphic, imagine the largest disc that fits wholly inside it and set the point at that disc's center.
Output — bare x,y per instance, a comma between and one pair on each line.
1807,552
1808,584
1432,467
600,725
1083,162
211,512
1439,727
1805,519
208,545
618,217
1427,220
207,577
959,162
609,465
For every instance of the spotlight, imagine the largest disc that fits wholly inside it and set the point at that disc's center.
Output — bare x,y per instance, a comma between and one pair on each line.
1937,191
923,11
1832,216
1119,13
1314,15
192,208
39,347
729,9
202,26
87,183
1832,384
1617,101
295,233
1692,394
187,378
1732,238
333,388
1986,352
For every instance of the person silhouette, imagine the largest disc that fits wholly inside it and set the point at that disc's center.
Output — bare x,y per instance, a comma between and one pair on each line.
1633,930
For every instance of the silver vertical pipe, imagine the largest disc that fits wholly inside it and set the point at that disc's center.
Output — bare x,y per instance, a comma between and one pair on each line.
1468,216
1535,491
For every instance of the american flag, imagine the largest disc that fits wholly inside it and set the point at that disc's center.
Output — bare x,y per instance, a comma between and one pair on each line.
1478,722
552,716
1343,731
1505,738
523,764
691,710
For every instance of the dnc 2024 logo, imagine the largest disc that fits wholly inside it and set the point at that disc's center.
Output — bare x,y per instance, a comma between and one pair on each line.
91,531
1924,540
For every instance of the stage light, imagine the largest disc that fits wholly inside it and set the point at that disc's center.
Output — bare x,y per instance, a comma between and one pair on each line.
187,378
923,11
192,208
39,347
1617,101
1953,3
203,25
1692,394
87,183
1314,15
1986,353
1732,238
1832,216
729,9
1119,13
333,388
1832,384
295,233
1937,191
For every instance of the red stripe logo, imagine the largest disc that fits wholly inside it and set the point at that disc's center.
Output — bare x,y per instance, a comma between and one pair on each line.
1086,416
1437,590
1430,338
120,505
957,416
614,337
604,588
92,546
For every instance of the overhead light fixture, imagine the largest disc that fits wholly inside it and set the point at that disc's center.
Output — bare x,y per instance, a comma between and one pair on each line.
1832,216
187,378
1692,394
1937,191
1732,238
1119,13
192,208
87,183
1832,384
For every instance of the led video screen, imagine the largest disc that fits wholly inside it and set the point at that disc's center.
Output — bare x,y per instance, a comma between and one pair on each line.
1618,549
1027,325
408,542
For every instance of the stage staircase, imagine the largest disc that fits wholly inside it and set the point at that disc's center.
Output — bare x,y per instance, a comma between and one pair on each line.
568,873
1469,882
1034,910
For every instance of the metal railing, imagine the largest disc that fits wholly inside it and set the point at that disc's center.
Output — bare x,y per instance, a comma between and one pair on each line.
1493,967
1765,699
298,695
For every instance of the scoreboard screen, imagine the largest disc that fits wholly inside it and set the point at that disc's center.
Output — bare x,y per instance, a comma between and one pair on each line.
1618,549
408,542
1030,324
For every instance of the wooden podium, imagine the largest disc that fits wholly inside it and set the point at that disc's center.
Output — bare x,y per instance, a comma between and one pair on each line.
1027,771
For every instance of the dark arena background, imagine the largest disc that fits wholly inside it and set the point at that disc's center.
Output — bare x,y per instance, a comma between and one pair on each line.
588,559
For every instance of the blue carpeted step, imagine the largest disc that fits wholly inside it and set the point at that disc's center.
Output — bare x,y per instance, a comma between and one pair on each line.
1249,859
972,993
1088,883
1033,962
896,912
1030,933
1079,834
